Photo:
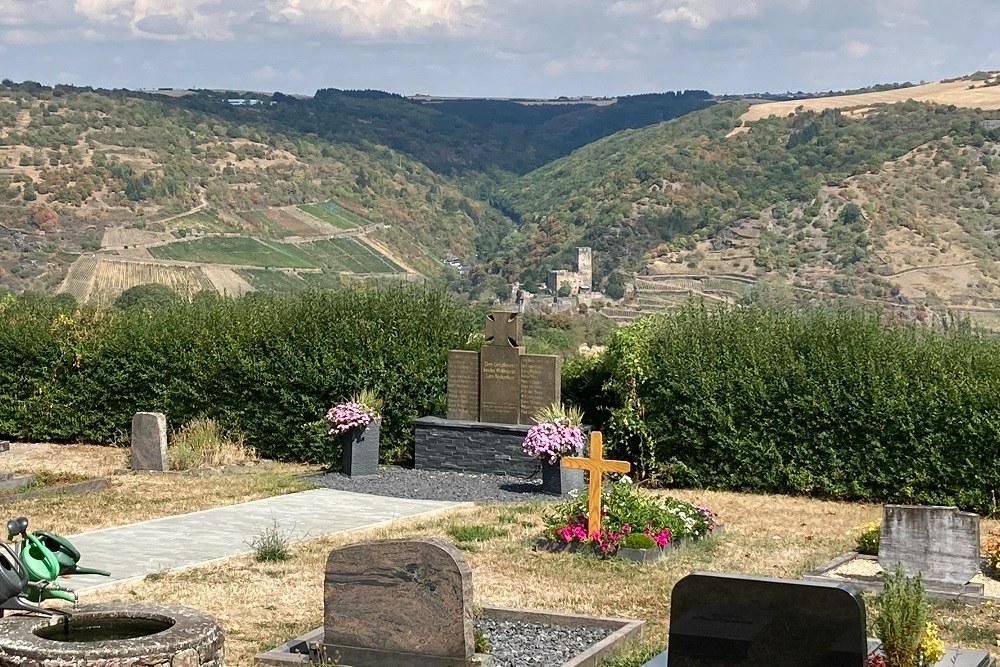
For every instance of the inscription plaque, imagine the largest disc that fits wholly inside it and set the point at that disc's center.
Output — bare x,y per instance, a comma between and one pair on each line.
463,385
500,384
540,385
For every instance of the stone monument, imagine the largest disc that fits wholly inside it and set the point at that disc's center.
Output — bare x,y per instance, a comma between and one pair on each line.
500,384
398,602
149,441
724,620
941,543
493,396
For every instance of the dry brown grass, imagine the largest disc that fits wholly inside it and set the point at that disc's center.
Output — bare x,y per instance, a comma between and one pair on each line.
132,497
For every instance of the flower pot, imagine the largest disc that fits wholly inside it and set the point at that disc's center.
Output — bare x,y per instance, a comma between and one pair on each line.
559,481
361,450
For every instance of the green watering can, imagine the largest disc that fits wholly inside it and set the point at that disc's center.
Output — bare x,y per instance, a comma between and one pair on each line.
45,556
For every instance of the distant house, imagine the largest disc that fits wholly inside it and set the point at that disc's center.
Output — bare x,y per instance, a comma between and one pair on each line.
243,102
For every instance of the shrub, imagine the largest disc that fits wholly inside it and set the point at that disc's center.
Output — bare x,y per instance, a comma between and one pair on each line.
267,366
202,443
993,553
868,539
908,639
638,541
828,403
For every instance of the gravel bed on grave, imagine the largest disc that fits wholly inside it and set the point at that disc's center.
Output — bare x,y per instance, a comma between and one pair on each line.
517,643
398,482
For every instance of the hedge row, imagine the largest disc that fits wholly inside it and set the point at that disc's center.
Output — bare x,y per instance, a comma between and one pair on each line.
268,366
824,403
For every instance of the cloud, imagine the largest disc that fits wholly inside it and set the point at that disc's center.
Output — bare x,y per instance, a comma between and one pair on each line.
700,14
271,74
226,19
856,49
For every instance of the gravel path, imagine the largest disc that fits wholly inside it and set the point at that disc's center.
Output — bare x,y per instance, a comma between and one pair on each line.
435,485
516,644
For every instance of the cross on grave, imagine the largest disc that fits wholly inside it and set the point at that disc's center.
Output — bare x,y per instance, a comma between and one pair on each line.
503,329
596,465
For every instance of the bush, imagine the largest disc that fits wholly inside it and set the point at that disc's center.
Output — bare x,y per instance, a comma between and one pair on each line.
833,404
908,639
638,541
202,443
266,366
868,540
271,545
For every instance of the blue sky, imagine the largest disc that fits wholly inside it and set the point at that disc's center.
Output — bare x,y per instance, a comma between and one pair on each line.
497,47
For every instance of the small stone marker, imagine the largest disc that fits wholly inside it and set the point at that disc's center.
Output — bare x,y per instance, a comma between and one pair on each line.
942,543
596,465
149,441
398,602
723,620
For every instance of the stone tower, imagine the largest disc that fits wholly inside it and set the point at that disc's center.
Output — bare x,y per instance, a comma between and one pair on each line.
585,268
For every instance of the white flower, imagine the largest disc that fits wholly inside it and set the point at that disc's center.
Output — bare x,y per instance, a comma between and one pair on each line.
626,479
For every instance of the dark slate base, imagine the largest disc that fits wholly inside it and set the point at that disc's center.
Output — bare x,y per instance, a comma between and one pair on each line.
477,447
360,456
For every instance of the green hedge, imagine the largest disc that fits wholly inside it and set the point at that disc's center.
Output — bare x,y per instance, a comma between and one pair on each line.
270,366
825,403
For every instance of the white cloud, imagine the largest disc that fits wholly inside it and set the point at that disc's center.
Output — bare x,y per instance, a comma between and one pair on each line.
272,73
700,14
216,19
856,49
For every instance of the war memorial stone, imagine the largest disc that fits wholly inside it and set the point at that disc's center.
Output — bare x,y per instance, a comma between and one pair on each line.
493,396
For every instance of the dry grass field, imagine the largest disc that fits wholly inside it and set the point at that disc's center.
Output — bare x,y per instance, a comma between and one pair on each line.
961,93
102,280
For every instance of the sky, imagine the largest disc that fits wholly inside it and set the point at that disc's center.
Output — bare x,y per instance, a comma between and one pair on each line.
497,48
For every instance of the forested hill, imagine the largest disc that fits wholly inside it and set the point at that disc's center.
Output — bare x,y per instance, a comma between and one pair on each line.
458,136
663,192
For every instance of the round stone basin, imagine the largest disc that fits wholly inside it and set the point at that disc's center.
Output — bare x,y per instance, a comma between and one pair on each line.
113,634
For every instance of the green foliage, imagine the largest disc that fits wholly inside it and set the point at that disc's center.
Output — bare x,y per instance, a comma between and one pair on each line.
481,643
638,541
902,618
267,366
868,539
152,295
827,403
272,545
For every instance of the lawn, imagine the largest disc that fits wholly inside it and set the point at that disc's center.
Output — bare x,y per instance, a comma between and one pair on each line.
336,215
239,250
135,496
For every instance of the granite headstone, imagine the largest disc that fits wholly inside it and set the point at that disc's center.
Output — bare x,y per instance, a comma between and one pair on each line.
149,441
942,543
405,603
723,620
463,385
540,384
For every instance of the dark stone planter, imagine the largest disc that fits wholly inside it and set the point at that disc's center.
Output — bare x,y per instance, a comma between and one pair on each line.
361,450
560,481
644,556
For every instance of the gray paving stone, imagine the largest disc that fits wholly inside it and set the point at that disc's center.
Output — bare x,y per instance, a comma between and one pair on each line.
133,551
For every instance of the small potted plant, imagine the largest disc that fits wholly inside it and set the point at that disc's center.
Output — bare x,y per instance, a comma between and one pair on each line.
357,422
556,434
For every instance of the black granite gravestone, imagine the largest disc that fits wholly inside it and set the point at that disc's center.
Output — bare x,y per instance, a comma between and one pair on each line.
723,620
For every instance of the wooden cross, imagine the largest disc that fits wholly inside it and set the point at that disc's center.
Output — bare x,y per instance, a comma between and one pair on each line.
596,465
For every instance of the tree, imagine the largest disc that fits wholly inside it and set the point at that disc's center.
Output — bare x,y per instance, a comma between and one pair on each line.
28,192
565,289
150,296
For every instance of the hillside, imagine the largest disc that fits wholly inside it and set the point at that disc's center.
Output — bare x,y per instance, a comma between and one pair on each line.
74,163
921,179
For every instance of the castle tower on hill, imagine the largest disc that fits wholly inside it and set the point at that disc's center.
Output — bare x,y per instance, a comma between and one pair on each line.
579,281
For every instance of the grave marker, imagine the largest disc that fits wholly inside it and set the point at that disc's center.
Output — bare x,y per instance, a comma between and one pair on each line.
726,620
398,602
463,385
595,464
942,543
149,441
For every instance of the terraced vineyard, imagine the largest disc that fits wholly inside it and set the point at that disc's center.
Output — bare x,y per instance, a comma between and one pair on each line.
333,255
236,250
93,279
272,280
347,255
202,221
338,216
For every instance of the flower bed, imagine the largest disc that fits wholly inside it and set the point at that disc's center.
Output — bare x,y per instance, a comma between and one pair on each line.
627,510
